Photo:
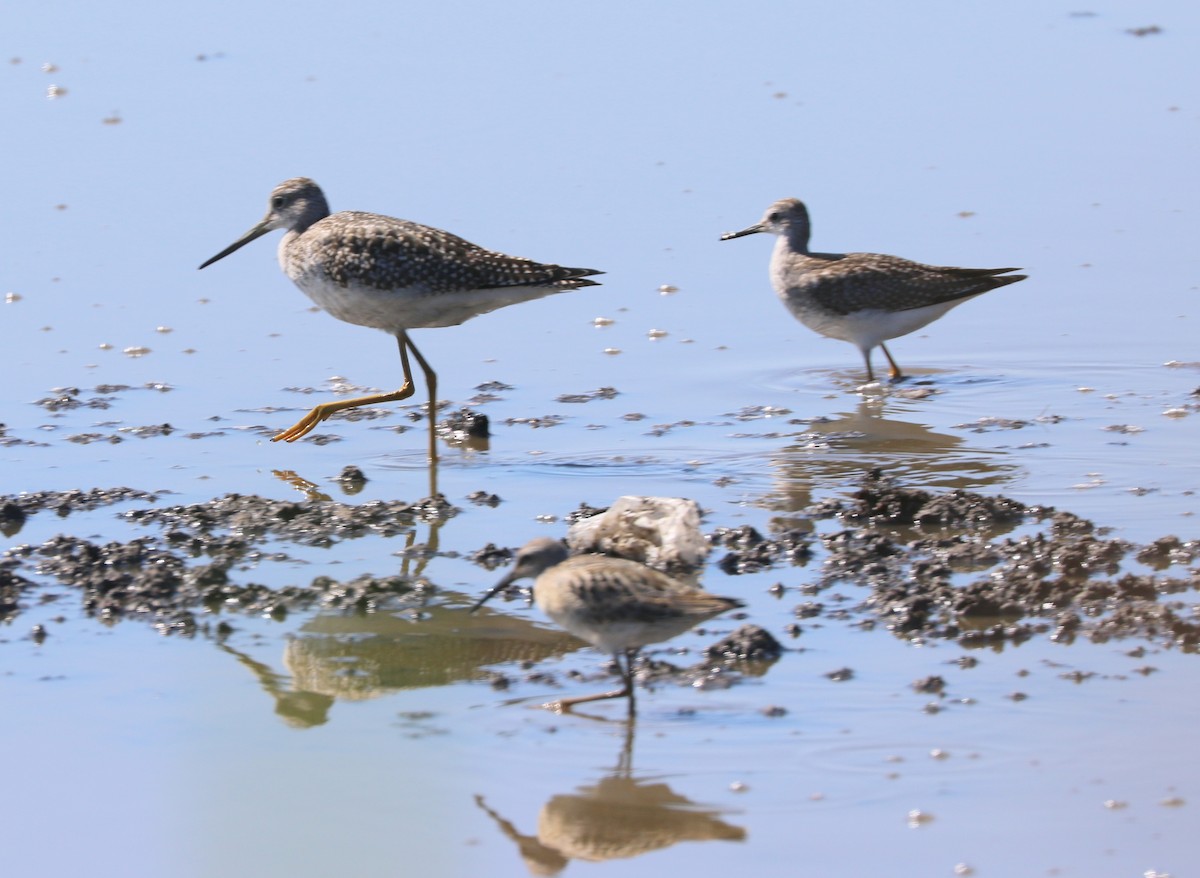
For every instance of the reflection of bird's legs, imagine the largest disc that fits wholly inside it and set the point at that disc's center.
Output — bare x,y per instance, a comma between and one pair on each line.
624,767
424,554
895,374
310,489
506,826
321,412
405,556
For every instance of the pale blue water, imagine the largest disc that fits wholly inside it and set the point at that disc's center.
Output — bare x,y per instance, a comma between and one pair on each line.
626,137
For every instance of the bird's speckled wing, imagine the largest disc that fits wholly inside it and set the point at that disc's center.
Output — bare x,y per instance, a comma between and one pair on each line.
371,250
625,591
850,282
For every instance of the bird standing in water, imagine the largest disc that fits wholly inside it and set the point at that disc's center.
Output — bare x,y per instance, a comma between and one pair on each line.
394,275
862,298
614,604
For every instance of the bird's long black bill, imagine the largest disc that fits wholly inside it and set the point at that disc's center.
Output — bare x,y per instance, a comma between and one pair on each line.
492,592
752,230
256,232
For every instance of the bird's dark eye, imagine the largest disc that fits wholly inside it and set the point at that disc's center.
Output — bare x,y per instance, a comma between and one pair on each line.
278,201
773,217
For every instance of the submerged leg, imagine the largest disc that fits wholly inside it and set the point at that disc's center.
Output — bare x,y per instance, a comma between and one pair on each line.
866,352
624,669
630,656
431,381
895,374
322,412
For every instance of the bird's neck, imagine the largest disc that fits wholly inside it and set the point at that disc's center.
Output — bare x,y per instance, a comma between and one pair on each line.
794,240
316,211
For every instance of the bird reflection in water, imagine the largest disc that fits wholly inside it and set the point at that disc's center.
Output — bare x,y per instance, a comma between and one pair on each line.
352,656
299,708
836,451
617,817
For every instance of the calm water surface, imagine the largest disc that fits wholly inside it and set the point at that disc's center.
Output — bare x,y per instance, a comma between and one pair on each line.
625,137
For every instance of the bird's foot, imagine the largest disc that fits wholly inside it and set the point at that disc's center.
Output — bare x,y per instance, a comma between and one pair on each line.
322,412
564,705
306,424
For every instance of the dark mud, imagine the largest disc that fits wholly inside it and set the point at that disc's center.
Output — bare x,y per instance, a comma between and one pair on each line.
915,552
181,576
749,551
975,569
310,522
144,579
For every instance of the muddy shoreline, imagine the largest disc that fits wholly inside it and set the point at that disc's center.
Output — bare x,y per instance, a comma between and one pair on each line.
979,570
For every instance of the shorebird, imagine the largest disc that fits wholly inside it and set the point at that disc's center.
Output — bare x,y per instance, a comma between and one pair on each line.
394,275
616,605
862,298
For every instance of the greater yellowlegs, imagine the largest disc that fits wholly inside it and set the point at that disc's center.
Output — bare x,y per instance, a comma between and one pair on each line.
616,605
862,298
394,275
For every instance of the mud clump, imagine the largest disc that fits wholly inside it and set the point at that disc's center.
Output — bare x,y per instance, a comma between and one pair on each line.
912,548
492,556
749,651
933,685
1165,551
747,643
12,585
464,426
146,580
881,501
12,519
750,551
186,569
305,522
16,507
352,479
982,571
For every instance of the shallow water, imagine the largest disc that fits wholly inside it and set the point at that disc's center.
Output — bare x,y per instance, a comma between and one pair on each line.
627,139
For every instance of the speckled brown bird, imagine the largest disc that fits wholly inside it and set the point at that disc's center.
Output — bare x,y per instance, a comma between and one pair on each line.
616,605
862,298
394,275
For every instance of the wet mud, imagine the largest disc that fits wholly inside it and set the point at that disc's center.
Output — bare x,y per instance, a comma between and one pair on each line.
980,570
180,576
936,567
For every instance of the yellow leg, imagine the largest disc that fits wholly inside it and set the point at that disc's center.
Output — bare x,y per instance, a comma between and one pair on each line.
322,412
895,374
319,413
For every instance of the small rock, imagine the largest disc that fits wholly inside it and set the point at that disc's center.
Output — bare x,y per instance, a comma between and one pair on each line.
749,642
